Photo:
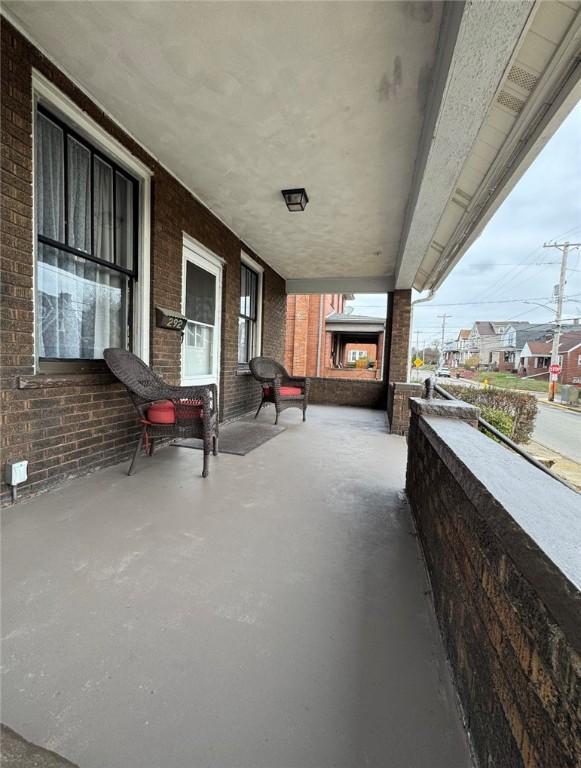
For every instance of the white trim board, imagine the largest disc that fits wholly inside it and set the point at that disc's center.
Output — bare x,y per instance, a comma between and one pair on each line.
256,267
302,285
205,259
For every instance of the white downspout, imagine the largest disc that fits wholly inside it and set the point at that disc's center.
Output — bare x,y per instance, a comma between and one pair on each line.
321,310
429,297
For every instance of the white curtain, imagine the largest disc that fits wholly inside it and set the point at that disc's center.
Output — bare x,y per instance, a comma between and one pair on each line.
50,185
82,306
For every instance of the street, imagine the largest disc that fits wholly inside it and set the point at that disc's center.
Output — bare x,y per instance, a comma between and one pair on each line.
560,430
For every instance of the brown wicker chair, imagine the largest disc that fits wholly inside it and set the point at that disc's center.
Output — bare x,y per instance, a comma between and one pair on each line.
277,385
195,407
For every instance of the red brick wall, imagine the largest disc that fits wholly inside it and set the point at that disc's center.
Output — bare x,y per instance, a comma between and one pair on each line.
571,368
306,332
67,425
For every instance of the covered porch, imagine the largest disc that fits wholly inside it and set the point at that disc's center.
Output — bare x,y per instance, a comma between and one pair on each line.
275,614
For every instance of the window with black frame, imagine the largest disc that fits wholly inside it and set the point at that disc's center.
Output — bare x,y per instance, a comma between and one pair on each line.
248,313
86,225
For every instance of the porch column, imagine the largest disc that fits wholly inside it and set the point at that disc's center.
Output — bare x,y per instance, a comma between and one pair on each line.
399,335
397,344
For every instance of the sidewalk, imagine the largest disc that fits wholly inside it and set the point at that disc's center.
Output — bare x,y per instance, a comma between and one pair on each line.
566,468
562,406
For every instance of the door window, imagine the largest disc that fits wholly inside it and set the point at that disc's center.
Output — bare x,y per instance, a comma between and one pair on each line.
201,308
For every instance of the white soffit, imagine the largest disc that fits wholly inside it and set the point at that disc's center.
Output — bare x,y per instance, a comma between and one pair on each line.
241,100
537,90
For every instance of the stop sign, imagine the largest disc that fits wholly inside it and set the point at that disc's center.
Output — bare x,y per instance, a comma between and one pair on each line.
556,368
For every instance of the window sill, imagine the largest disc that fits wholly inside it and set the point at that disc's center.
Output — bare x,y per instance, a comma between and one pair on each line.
243,370
47,380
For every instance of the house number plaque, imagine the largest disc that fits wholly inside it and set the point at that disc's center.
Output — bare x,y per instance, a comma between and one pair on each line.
169,318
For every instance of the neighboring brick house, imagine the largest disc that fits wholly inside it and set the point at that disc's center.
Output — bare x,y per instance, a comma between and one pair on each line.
99,276
536,358
305,331
324,340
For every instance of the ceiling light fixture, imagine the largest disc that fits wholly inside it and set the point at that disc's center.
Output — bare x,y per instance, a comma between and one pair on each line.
295,199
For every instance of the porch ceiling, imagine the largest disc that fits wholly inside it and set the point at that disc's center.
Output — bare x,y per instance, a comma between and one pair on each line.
407,124
241,100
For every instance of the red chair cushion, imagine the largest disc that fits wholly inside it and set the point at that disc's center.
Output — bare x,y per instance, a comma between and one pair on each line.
164,412
284,391
291,391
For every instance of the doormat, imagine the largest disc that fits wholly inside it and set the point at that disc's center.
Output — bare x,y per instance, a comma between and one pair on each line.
238,437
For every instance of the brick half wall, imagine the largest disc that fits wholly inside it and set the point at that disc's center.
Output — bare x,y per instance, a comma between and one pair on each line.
498,538
354,392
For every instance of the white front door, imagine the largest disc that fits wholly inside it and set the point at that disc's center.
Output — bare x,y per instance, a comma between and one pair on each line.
201,304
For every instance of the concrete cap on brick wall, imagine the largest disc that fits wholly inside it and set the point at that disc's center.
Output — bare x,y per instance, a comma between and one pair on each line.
406,386
449,409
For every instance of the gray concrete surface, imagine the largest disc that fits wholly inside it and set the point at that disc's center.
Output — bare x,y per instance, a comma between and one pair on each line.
560,430
274,615
16,752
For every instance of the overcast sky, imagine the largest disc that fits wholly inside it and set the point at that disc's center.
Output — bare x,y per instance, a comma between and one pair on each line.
508,260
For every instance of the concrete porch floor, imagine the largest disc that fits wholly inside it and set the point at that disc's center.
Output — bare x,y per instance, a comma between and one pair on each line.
273,615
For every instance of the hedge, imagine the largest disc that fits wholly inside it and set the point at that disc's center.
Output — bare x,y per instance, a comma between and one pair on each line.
499,419
520,406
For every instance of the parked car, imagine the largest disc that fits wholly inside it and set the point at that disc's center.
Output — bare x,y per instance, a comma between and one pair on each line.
444,372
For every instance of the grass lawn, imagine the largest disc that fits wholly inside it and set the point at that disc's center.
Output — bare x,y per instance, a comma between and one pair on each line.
510,381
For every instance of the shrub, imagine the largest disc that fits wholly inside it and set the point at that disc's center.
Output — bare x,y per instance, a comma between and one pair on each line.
520,406
501,420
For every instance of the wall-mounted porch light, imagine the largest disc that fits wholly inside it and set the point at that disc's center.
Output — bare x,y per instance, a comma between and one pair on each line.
295,199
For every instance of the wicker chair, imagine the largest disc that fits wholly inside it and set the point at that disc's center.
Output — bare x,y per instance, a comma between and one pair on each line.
195,407
278,386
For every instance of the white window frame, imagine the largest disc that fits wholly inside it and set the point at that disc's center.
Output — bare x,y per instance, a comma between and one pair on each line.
47,94
255,267
198,254
356,354
578,359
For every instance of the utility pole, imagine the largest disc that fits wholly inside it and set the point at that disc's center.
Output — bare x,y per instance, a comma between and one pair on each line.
564,248
444,318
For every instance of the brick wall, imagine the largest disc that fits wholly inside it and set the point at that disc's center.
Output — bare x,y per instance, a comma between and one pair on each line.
399,319
70,424
371,374
359,393
509,617
398,408
571,372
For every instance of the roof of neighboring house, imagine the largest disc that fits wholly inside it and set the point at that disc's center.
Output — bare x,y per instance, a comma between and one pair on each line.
519,325
569,340
488,327
484,328
531,333
539,347
464,334
337,317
